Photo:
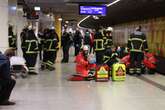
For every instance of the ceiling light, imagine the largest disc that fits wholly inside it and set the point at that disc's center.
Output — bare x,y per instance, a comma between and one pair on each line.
59,19
95,17
36,8
82,21
113,3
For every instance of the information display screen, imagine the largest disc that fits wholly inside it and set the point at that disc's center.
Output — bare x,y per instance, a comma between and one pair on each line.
93,10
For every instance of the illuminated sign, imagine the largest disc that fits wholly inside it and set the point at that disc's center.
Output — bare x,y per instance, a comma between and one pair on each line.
93,10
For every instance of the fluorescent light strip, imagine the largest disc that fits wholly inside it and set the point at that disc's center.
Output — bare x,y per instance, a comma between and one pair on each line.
78,25
113,3
90,15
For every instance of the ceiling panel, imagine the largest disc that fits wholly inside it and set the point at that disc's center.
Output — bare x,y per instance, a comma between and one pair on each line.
67,8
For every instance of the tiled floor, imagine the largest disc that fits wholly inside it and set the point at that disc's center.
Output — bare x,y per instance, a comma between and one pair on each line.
51,91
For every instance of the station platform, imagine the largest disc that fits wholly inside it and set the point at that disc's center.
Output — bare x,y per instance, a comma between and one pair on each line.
52,91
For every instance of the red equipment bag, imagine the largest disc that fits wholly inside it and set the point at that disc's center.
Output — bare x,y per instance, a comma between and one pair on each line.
149,61
102,73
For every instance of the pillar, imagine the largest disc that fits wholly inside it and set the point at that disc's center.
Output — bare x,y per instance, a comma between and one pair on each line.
15,17
4,25
58,28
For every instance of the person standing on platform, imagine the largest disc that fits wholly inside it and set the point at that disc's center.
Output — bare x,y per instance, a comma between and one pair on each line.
108,38
137,44
50,49
23,36
30,45
65,43
99,46
12,38
92,42
77,42
87,39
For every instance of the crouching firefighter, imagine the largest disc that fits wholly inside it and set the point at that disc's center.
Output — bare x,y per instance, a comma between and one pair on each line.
137,44
110,56
31,50
50,50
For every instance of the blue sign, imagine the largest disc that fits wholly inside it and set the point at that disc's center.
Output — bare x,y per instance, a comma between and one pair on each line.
93,10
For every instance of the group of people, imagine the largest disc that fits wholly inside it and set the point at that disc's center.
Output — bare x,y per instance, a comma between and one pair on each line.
76,39
107,53
47,46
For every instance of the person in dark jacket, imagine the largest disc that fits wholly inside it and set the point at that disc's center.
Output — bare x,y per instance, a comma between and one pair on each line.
30,45
65,43
7,81
77,42
23,37
87,39
12,38
137,44
108,38
99,46
50,44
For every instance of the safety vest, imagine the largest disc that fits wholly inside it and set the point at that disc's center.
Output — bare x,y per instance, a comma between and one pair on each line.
51,44
108,42
31,46
98,42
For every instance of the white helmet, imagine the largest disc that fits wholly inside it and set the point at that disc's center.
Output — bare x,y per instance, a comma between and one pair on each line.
30,27
85,48
109,29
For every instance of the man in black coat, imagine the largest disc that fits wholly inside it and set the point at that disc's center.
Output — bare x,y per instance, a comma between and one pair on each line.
66,41
77,41
30,45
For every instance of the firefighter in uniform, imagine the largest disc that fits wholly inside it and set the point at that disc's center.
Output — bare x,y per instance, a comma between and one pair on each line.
137,44
99,46
12,38
110,51
108,38
23,37
111,56
31,50
50,49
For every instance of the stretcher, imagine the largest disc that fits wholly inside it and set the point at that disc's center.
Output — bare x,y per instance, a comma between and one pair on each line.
18,66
